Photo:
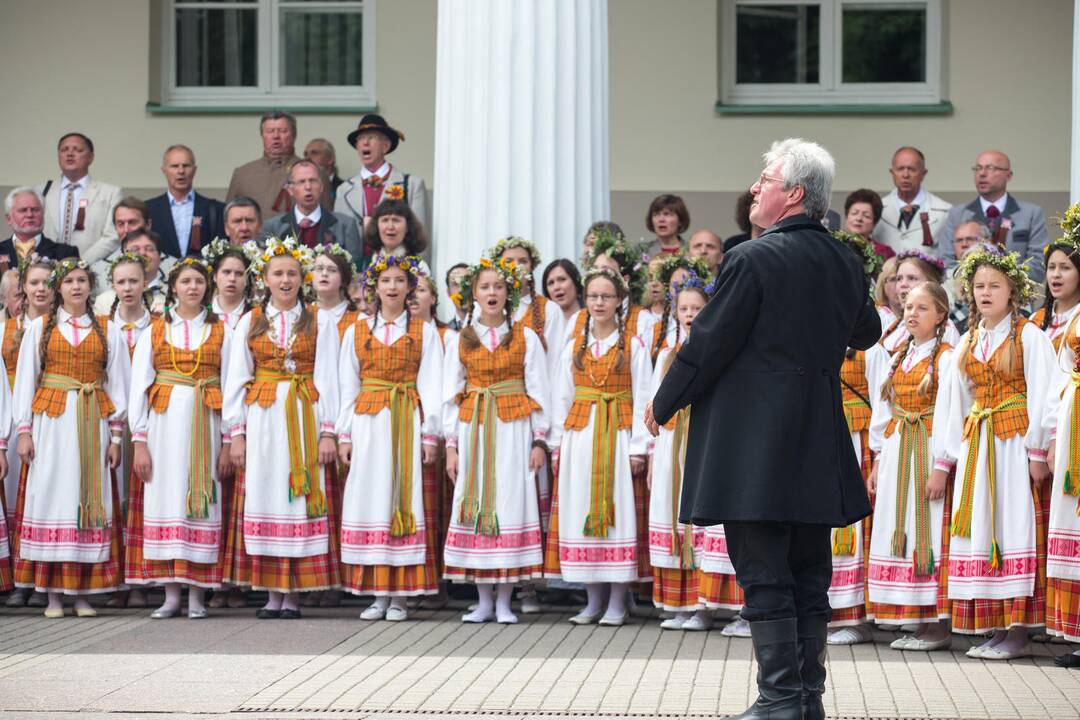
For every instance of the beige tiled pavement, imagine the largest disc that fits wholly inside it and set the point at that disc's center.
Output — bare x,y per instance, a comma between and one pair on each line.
332,664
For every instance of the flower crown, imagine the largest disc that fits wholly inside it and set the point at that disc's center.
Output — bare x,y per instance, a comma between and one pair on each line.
920,255
511,273
334,249
1007,263
692,282
127,257
504,244
864,250
187,262
614,277
1070,229
696,266
25,264
276,247
411,264
634,261
217,247
62,268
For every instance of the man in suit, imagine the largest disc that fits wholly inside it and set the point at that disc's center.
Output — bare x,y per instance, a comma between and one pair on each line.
25,215
263,180
911,215
769,454
243,220
183,218
78,208
1019,226
309,221
377,180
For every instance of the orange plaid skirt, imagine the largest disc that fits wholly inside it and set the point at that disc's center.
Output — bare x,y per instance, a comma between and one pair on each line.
335,493
977,617
71,578
1063,608
7,578
233,560
719,591
641,505
436,521
676,590
502,575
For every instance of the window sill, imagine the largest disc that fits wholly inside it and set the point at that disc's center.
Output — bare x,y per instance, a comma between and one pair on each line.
154,108
941,108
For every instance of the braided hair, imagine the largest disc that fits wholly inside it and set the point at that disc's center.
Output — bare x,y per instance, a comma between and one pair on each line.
468,337
261,324
620,326
208,294
235,252
1007,360
929,382
145,297
50,323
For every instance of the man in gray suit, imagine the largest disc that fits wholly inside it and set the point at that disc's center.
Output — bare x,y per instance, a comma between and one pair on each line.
1019,226
309,221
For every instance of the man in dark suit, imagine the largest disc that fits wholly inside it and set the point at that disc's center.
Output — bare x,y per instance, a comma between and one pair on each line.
184,219
769,454
309,221
25,214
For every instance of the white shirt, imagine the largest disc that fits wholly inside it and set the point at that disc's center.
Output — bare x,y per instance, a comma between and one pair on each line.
383,171
999,203
230,318
183,211
314,217
894,197
80,189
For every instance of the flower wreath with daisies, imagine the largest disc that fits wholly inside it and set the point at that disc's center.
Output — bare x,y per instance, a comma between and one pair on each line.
864,250
696,266
512,274
212,251
514,241
29,261
334,249
632,259
65,266
276,247
1007,263
411,264
127,257
1069,241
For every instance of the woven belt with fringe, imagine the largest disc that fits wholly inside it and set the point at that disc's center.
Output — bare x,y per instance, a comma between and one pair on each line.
682,546
202,490
88,411
402,406
914,447
602,486
1071,484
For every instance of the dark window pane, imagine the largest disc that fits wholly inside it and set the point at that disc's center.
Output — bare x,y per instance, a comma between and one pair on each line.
216,48
777,43
883,45
321,48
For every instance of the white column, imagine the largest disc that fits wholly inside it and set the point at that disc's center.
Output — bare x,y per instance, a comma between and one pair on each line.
521,125
1074,165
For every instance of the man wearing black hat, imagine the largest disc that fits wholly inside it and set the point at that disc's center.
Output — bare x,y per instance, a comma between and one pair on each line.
378,180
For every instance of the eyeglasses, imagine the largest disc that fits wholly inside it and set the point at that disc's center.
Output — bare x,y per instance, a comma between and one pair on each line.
988,168
764,179
600,298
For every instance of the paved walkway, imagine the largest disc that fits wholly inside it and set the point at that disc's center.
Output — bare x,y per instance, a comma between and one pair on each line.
331,664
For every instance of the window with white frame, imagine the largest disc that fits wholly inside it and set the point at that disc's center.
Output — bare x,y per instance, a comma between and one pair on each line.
252,52
837,52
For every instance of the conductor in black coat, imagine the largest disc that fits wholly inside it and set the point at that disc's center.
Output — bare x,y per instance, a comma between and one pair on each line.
769,454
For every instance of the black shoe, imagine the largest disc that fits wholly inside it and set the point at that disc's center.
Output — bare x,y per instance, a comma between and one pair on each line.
288,614
267,614
780,690
813,636
1072,660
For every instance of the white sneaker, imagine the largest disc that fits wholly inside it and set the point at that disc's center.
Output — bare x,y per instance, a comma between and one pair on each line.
373,612
736,628
396,614
673,623
478,616
698,623
850,635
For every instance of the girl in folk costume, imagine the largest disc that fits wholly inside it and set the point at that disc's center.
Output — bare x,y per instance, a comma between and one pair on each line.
913,267
495,420
674,270
232,291
331,277
674,547
34,272
886,296
281,383
610,250
908,568
1063,418
390,371
598,428
1005,366
1062,291
175,418
847,592
561,283
70,384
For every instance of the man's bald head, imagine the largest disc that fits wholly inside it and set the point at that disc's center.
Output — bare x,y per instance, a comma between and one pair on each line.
993,171
708,246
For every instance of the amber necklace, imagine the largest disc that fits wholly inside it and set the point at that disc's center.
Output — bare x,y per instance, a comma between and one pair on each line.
198,353
590,361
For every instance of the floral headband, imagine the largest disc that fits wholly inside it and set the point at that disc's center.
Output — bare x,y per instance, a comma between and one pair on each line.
1007,263
62,268
864,250
189,262
277,247
920,255
697,266
336,250
31,260
411,264
217,247
1070,229
514,241
692,282
616,279
127,257
510,272
631,258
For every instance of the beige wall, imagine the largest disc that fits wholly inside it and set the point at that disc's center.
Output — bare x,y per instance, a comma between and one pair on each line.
665,133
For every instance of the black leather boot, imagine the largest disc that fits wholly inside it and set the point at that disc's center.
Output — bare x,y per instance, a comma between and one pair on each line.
780,690
813,634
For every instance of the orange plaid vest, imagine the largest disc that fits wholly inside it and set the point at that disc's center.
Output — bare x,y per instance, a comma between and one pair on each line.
856,392
85,363
441,329
1038,316
268,357
630,323
209,364
10,348
906,391
990,388
601,374
536,316
347,319
397,363
485,367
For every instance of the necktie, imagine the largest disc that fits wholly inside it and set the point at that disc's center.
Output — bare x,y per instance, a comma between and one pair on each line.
195,237
24,248
906,214
307,232
994,216
69,221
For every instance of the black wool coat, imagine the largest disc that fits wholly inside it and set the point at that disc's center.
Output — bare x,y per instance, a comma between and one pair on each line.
768,441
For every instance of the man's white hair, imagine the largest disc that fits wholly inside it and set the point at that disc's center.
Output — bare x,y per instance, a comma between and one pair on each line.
808,165
9,201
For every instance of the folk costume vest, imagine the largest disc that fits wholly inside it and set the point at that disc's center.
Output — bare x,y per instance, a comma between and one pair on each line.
10,346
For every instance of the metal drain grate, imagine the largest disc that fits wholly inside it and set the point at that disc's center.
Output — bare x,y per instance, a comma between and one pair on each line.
539,715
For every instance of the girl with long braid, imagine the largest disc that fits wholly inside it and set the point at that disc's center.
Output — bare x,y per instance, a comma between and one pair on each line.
909,543
232,289
70,384
34,272
601,441
495,419
281,384
1062,291
914,267
175,420
610,250
674,547
674,270
994,430
391,388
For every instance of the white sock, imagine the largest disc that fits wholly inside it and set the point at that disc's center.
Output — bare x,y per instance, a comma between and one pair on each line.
273,602
617,602
502,603
595,593
56,600
172,597
196,599
290,601
382,602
